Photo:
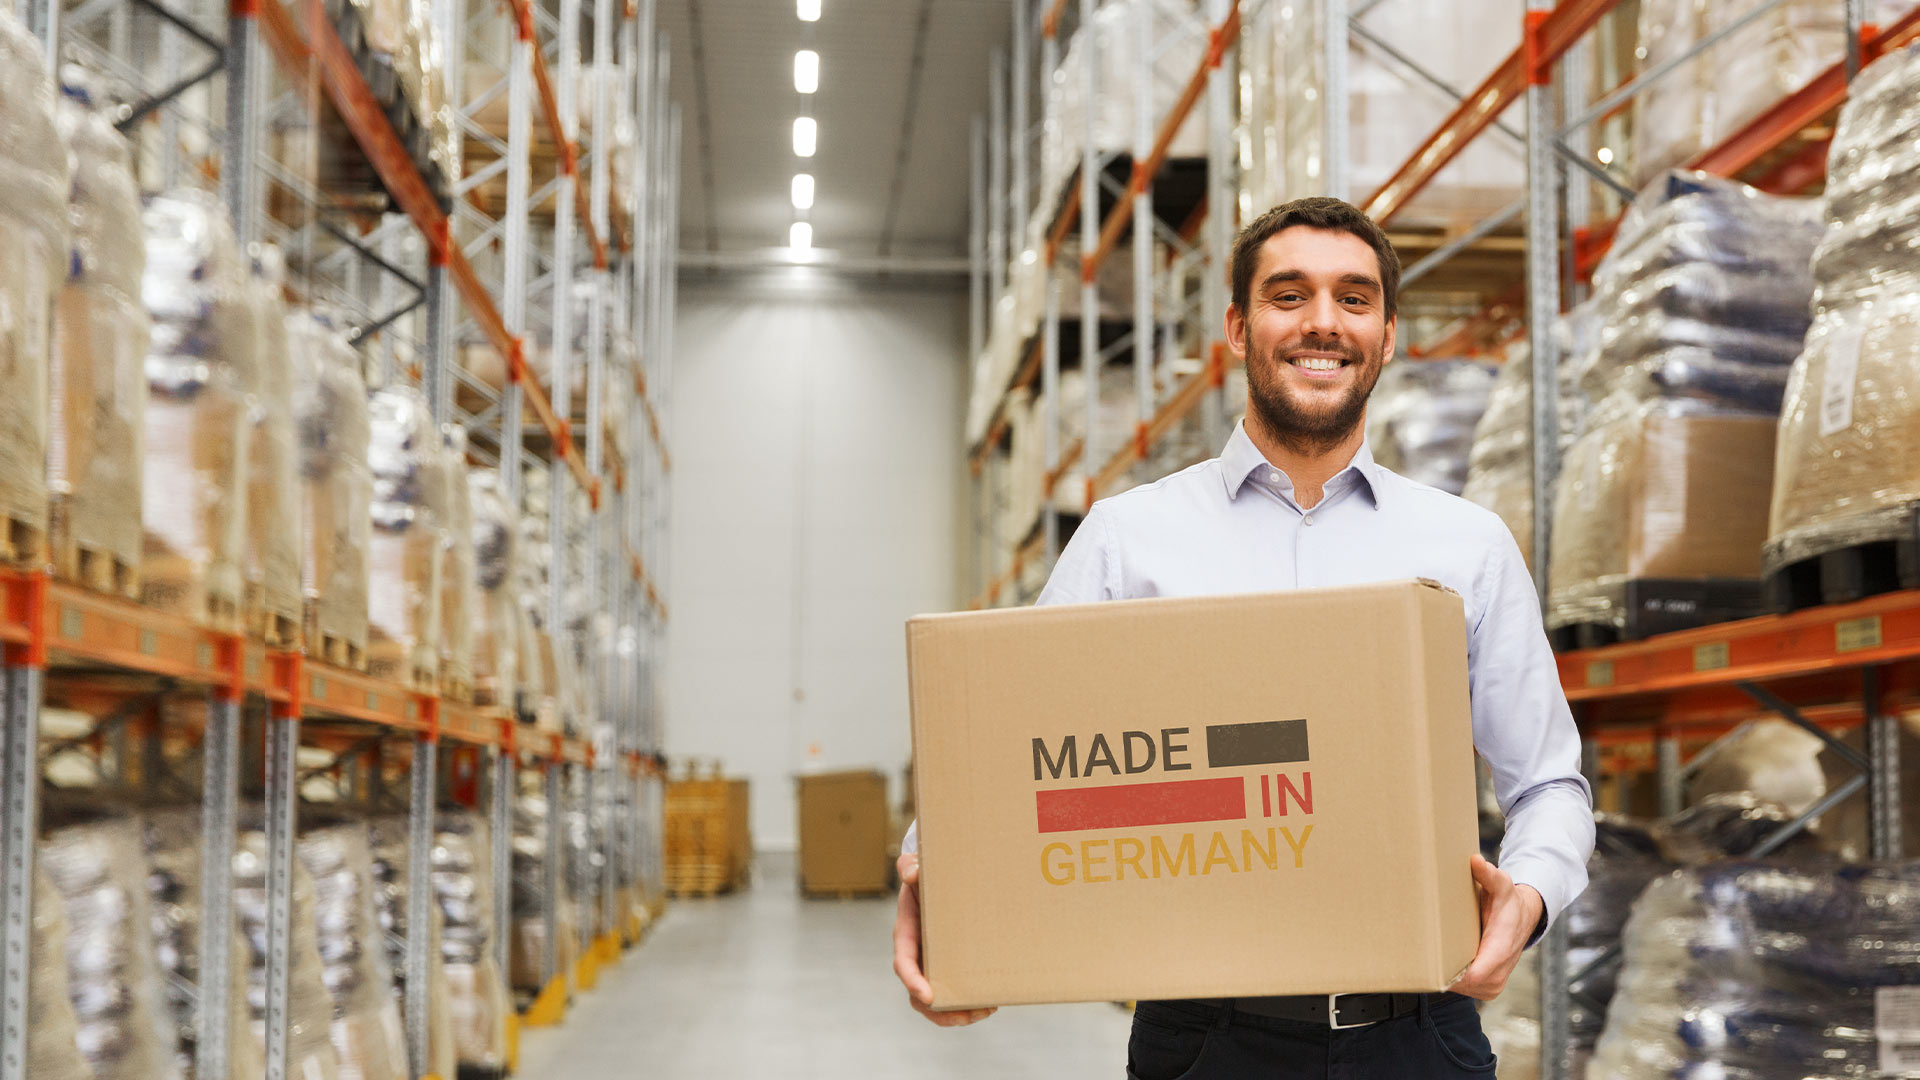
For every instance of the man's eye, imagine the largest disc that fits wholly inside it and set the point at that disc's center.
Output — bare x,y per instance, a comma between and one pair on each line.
1289,298
1354,300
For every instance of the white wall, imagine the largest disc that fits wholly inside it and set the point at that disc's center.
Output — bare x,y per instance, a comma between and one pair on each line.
816,478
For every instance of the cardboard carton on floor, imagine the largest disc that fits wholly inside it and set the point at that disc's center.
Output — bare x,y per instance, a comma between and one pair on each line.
844,823
1175,798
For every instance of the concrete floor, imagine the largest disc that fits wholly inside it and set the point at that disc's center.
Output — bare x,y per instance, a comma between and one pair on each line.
767,986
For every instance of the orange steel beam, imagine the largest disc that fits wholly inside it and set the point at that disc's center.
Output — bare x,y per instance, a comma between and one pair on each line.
371,129
1183,401
1543,42
1050,26
1069,213
653,419
1464,340
1218,43
569,150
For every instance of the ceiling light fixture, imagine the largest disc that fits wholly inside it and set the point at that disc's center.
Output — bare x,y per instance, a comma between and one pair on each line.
800,237
806,71
805,132
809,10
802,191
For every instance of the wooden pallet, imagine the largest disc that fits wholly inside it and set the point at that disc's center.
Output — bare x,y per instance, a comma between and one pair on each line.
277,629
1886,560
456,685
92,568
338,651
871,892
1663,606
174,585
22,543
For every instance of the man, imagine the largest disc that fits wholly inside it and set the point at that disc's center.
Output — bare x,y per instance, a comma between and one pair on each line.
1296,501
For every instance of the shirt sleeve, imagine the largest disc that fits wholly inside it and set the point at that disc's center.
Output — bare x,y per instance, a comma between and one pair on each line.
1525,731
1086,572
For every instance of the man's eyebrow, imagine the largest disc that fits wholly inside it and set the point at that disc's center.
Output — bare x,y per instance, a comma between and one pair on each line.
1361,279
1279,277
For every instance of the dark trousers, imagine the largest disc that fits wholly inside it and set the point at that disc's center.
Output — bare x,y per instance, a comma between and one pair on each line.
1184,1040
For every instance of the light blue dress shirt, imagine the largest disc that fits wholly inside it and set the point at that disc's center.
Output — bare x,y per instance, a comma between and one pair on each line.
1231,525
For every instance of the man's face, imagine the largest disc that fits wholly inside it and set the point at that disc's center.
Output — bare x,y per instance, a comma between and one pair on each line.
1314,335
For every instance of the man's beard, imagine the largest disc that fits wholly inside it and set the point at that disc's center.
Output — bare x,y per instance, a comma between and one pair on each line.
1297,429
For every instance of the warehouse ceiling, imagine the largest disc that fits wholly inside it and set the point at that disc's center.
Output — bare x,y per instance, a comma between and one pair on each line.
894,75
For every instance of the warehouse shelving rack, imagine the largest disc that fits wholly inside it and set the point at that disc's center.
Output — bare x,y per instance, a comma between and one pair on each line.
1823,669
115,651
1820,669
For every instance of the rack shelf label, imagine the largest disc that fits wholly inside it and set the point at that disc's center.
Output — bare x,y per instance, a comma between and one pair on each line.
1854,635
1711,657
1600,673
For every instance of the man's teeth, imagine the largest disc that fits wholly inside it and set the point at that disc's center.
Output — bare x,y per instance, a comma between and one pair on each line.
1317,363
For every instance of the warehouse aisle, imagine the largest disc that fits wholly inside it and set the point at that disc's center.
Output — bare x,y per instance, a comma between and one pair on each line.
767,986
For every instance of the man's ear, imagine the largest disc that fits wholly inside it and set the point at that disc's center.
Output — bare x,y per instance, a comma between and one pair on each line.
1237,332
1389,342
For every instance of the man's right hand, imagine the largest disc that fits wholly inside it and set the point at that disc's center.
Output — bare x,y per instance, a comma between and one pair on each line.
906,952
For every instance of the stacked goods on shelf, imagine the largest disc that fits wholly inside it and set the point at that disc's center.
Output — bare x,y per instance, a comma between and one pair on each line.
458,592
580,859
310,1049
199,364
173,851
1391,112
54,1051
1716,92
496,620
1500,463
97,388
330,414
1847,475
1775,969
1115,35
550,659
407,456
1421,417
33,231
93,860
526,951
709,842
1626,857
273,602
397,47
1659,509
473,985
365,1029
1844,828
387,838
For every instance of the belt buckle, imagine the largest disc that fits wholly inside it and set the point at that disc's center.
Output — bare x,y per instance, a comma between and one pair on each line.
1333,1016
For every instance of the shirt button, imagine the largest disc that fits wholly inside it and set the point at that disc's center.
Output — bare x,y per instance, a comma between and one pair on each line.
1309,519
1273,477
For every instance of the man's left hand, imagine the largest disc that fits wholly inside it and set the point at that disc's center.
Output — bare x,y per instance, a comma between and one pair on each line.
1508,914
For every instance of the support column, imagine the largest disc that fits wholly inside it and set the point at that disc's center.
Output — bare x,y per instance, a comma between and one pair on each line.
283,745
423,799
19,797
219,822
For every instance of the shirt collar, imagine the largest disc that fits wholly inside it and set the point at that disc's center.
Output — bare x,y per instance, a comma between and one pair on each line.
1241,458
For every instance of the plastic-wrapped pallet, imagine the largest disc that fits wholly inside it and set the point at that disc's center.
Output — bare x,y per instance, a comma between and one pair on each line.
1282,80
496,640
53,1051
365,1029
199,364
1768,971
541,656
33,232
1421,418
1716,92
94,862
330,413
1848,467
1116,37
1703,299
527,948
458,592
172,842
97,389
310,1049
1624,860
388,839
273,600
475,987
1500,463
408,458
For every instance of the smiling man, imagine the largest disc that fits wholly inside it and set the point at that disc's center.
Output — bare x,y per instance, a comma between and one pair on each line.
1296,501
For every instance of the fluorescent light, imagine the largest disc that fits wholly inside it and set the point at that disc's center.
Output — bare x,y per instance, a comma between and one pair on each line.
805,132
806,71
809,10
802,191
800,237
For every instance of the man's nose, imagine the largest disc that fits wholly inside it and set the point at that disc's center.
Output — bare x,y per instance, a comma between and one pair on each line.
1320,319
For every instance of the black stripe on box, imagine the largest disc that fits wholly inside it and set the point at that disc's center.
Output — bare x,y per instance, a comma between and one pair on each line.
1269,742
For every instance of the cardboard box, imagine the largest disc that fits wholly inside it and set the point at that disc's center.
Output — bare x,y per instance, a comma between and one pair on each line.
1209,797
844,826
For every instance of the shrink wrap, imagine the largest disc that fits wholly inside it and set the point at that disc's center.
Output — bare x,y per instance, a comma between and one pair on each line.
408,459
172,843
310,1046
330,415
273,596
496,621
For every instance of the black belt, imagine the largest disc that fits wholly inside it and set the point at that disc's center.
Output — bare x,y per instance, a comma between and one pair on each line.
1334,1010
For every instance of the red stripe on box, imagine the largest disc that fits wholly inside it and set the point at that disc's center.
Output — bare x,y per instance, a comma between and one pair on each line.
1128,806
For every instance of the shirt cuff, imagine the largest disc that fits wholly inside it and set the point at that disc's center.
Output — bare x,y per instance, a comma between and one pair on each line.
1555,894
910,843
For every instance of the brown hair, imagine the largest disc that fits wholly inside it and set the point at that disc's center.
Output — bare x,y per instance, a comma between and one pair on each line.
1315,212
